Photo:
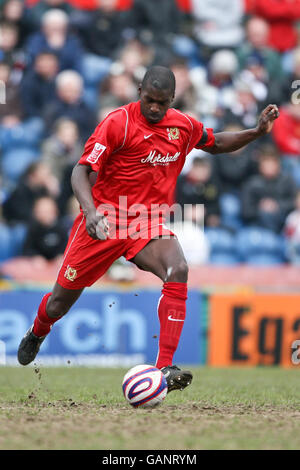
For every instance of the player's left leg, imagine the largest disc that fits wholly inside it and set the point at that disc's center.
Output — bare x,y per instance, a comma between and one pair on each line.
164,258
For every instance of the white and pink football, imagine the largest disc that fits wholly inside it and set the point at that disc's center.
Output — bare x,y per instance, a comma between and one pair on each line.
144,386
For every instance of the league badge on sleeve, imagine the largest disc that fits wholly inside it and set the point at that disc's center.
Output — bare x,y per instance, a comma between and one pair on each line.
96,153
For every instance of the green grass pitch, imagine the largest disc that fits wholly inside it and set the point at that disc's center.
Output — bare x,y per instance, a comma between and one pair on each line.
83,408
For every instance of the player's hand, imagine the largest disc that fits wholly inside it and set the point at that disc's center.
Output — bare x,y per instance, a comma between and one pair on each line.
97,225
267,118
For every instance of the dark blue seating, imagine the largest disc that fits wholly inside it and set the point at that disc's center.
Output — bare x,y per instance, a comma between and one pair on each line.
15,162
11,240
6,251
222,246
230,206
259,246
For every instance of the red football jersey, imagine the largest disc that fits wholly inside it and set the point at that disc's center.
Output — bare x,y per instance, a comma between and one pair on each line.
139,160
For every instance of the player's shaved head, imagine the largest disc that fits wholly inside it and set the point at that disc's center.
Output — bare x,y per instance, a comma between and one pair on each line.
160,78
156,92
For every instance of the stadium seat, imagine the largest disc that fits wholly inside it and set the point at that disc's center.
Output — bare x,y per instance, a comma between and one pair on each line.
256,245
264,259
223,259
94,69
17,235
222,246
27,134
6,251
230,206
16,160
184,46
291,164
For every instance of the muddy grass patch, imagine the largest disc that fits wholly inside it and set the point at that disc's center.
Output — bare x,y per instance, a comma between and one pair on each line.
65,424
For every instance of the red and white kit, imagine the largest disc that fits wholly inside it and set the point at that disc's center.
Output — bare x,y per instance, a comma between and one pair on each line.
140,162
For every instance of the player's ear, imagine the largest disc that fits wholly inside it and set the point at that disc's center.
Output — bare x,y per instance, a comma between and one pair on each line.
140,89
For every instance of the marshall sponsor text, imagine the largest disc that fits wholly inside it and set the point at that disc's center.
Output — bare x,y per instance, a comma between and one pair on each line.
158,159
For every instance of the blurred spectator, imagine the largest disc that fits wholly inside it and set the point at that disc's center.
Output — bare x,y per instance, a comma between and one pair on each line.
37,181
72,210
218,24
190,234
103,31
157,23
14,11
62,148
11,110
243,107
9,51
256,45
9,34
268,197
118,89
233,169
286,130
256,76
133,59
46,236
186,93
54,37
282,16
93,4
104,111
292,232
69,103
121,271
216,91
66,190
264,88
200,186
36,12
38,84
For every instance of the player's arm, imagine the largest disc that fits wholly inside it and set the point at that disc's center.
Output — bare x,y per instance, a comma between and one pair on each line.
96,224
230,141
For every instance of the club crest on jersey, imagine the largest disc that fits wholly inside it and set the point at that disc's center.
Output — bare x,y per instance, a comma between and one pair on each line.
173,133
96,153
70,274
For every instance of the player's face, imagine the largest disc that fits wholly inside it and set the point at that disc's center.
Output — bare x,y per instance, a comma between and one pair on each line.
154,103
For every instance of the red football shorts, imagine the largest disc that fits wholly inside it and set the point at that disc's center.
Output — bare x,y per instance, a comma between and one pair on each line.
86,260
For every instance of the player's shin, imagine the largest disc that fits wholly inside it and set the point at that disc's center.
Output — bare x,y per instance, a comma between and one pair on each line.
171,313
43,323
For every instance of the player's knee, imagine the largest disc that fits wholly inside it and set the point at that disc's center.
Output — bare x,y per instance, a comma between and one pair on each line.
178,273
56,307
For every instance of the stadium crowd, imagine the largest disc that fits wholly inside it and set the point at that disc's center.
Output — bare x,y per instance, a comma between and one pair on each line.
64,65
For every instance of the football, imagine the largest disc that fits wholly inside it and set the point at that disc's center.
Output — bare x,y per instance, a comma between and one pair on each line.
144,386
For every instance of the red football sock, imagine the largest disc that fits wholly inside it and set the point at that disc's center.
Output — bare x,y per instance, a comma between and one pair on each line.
171,313
43,323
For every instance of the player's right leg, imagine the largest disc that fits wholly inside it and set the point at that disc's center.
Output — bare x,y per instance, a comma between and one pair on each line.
53,306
